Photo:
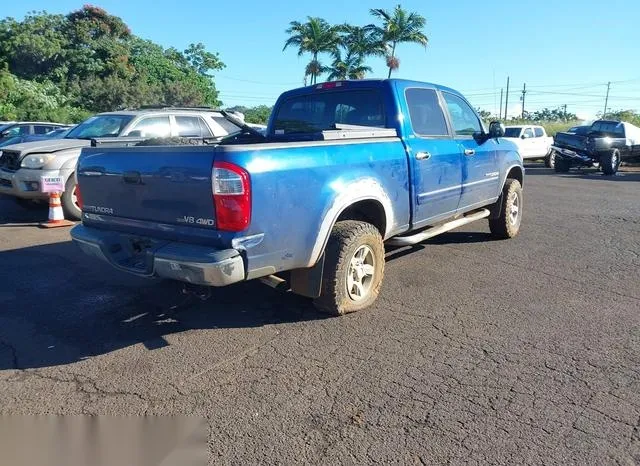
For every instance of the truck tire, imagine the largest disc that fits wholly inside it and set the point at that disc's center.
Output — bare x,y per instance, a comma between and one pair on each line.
353,268
507,223
561,165
69,200
550,159
610,162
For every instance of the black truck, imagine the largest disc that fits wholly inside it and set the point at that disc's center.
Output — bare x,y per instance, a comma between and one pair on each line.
605,144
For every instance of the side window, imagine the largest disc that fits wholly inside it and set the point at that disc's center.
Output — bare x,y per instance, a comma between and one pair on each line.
158,126
38,129
528,133
464,119
188,126
425,113
18,131
538,132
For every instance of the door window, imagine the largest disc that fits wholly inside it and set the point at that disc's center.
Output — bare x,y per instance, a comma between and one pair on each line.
528,133
155,127
464,119
538,132
38,129
17,131
425,113
190,126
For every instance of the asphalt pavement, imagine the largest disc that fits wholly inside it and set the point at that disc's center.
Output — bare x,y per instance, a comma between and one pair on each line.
477,351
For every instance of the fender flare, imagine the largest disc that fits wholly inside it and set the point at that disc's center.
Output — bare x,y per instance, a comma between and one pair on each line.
367,189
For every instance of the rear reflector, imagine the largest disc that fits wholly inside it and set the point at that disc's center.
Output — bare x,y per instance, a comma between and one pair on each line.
231,196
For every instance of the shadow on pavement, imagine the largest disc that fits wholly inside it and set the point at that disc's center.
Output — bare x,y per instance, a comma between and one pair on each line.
58,307
13,213
583,173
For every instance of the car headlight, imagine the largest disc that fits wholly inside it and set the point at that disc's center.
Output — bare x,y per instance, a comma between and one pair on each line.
36,160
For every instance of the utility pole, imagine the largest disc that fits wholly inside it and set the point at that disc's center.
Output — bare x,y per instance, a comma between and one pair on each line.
565,112
506,104
524,93
606,100
500,116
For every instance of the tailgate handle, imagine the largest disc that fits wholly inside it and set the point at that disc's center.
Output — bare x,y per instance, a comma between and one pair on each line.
132,177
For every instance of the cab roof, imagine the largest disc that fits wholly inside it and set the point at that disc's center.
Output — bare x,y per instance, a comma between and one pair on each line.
369,83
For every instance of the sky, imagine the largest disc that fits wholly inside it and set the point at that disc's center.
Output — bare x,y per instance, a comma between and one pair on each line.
565,51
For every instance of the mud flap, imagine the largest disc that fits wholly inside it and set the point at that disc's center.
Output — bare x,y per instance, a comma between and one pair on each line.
496,208
308,282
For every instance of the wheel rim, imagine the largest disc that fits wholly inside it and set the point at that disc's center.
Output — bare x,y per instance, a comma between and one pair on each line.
614,160
361,273
514,209
74,197
552,158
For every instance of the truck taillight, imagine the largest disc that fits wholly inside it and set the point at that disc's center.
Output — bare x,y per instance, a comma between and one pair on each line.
231,196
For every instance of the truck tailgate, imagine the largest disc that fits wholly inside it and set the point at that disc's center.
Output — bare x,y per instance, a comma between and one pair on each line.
162,185
571,141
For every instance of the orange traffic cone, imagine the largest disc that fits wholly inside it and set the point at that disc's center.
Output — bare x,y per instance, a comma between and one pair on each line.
56,215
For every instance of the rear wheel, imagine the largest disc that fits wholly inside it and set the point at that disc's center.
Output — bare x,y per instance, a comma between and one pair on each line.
507,224
561,165
353,268
70,201
550,159
610,162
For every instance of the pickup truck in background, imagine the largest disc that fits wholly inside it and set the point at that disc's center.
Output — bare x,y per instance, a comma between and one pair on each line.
532,142
606,144
344,166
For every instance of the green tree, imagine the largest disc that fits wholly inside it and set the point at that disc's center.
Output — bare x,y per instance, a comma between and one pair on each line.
316,36
399,26
64,66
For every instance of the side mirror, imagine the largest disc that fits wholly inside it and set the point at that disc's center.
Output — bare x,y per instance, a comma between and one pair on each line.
496,129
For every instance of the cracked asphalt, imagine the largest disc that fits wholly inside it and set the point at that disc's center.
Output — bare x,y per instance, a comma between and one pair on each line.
478,351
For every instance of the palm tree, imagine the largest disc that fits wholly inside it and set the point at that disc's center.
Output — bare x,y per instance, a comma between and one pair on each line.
315,36
399,26
351,67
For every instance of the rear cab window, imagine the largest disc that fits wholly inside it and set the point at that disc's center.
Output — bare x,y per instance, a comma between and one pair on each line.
512,132
327,110
425,113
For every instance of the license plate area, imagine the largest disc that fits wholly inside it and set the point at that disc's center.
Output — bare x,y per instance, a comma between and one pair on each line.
134,254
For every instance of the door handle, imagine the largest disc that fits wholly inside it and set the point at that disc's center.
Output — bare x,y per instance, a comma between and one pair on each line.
469,152
423,155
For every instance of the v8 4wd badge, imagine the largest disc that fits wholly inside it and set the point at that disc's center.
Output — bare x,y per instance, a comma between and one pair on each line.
196,221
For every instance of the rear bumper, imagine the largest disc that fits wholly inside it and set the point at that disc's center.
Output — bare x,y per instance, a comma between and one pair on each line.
573,155
188,263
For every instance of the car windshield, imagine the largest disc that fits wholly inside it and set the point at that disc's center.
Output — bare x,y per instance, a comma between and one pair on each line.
512,132
321,111
100,126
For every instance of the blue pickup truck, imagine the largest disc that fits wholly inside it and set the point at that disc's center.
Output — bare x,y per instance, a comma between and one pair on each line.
342,168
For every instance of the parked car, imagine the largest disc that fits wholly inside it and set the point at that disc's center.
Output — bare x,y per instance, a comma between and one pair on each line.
27,128
343,167
532,141
605,144
22,165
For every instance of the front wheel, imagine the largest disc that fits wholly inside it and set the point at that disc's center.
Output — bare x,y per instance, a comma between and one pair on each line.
507,223
610,162
550,159
353,268
70,200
